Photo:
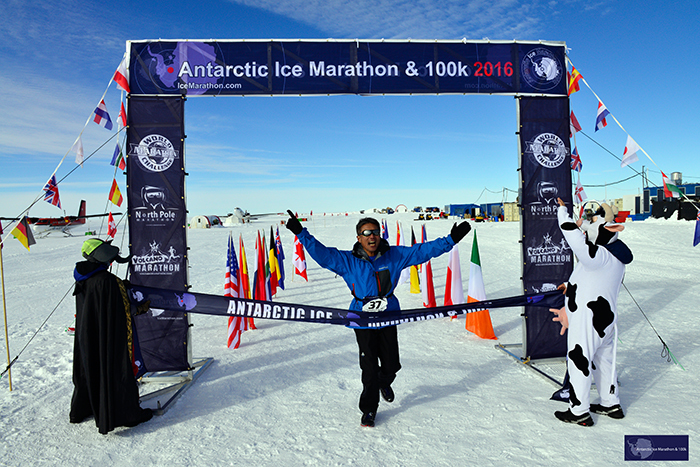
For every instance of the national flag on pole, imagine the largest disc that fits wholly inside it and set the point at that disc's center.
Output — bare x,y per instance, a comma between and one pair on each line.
1,244
670,188
254,274
273,266
51,192
118,158
23,233
576,163
102,116
122,116
696,239
299,259
478,322
574,78
111,226
574,125
280,258
401,241
428,289
454,292
120,77
266,269
232,289
259,273
244,281
603,112
630,154
78,149
415,283
579,194
115,196
385,230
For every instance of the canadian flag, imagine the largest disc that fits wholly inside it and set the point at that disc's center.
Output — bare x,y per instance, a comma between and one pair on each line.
299,259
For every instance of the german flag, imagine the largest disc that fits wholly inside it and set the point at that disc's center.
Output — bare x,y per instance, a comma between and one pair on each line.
23,233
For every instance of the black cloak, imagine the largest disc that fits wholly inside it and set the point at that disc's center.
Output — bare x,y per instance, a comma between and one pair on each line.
103,378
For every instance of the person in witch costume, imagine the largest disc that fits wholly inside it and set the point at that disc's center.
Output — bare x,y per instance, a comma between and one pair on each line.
103,377
371,271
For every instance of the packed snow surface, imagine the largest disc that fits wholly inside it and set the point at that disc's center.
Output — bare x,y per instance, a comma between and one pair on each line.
288,396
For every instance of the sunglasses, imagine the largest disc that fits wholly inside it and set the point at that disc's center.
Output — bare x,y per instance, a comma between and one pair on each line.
367,233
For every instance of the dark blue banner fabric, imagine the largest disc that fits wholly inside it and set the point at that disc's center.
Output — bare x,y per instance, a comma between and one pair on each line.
172,301
157,221
546,175
346,67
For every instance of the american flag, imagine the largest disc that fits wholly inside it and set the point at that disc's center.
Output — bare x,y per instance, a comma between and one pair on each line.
576,163
231,289
51,189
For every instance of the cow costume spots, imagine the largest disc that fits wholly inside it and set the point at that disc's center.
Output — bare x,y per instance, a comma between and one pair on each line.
591,308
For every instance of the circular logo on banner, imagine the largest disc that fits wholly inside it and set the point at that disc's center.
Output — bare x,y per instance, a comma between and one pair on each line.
541,69
155,153
548,149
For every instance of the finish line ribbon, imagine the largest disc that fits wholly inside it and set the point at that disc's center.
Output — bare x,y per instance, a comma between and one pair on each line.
173,300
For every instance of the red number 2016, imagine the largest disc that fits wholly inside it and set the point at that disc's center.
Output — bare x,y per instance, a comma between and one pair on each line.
490,69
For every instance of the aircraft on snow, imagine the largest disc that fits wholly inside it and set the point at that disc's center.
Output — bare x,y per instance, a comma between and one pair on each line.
43,226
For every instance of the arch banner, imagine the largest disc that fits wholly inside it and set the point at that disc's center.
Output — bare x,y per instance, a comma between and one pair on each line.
307,67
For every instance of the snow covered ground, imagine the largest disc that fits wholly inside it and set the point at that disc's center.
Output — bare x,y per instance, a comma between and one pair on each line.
288,396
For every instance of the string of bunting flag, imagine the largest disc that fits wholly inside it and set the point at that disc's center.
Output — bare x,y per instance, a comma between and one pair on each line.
630,152
19,227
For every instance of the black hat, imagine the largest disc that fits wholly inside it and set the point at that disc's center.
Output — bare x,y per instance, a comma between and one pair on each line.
99,251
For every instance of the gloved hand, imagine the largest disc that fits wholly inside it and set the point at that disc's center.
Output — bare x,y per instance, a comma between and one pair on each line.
293,223
458,232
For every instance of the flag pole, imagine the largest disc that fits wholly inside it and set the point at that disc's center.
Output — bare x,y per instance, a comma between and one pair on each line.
4,313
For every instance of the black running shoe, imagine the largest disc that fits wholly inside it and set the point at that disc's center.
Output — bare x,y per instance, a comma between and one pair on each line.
568,417
368,419
387,393
613,412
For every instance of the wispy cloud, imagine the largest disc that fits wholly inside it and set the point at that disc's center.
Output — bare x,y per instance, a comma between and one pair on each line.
423,19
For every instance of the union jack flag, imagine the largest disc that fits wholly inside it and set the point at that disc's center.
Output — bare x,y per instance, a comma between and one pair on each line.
51,189
576,163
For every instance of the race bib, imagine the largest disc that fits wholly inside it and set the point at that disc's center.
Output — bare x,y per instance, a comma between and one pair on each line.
377,304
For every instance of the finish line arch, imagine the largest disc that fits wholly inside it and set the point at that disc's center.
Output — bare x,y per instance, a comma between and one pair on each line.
162,74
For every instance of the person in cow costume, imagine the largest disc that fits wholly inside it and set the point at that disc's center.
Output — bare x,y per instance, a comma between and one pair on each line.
590,312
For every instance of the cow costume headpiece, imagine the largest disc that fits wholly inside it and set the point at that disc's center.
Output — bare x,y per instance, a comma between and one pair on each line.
601,228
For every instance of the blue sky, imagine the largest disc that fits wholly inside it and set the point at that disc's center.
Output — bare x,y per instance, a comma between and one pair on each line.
343,153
